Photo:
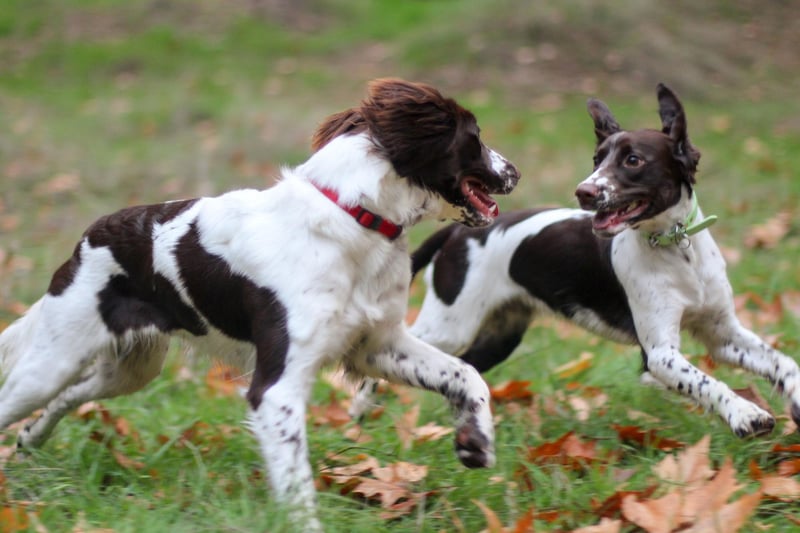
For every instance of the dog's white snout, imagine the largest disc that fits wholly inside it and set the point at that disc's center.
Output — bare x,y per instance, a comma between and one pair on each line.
505,169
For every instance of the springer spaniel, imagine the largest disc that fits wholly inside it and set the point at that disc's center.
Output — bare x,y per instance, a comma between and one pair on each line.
310,272
638,270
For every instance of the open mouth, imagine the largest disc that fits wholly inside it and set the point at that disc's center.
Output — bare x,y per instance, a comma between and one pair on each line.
477,195
612,221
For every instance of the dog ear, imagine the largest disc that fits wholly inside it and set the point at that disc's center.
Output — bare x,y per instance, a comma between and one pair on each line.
673,123
605,124
348,121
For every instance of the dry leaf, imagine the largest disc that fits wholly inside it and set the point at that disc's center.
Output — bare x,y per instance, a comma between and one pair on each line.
647,439
688,467
513,390
654,516
13,519
226,380
770,233
569,450
493,523
781,488
405,426
606,525
401,472
572,368
729,518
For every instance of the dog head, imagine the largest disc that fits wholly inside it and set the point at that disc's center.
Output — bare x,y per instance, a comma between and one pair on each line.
431,141
637,174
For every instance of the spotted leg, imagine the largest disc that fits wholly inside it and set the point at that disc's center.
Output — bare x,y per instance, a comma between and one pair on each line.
731,343
410,361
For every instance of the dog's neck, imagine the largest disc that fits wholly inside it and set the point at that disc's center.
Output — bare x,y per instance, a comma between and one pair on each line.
676,224
351,165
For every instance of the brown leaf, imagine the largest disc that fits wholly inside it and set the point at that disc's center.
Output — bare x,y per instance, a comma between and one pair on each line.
688,467
646,439
654,516
60,183
430,431
13,519
510,391
612,505
404,426
126,462
333,413
493,523
729,518
572,368
606,525
769,233
387,494
226,380
401,472
781,488
789,467
524,523
751,394
569,450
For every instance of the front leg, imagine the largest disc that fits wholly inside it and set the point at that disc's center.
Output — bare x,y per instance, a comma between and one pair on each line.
668,366
278,421
410,361
731,343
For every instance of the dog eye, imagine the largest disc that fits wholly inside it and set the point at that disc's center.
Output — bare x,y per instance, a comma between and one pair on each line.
633,161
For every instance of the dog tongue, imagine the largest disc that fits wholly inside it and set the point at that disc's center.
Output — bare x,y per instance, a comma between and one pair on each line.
602,221
479,198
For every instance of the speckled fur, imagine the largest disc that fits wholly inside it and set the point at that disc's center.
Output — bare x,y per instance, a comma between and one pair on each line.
284,280
666,289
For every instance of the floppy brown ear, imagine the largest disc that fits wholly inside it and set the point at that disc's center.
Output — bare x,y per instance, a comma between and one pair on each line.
348,121
673,123
605,124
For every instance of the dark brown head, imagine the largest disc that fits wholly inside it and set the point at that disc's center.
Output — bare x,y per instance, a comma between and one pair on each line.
637,174
431,141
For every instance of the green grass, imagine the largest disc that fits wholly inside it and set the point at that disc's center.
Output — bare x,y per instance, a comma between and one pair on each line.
141,102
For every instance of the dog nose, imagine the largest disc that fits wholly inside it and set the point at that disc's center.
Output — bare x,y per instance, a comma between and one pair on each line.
586,194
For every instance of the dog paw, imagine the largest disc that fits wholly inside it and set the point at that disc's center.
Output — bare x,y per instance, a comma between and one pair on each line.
751,421
474,449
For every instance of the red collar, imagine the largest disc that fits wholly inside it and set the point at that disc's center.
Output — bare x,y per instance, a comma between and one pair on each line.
366,218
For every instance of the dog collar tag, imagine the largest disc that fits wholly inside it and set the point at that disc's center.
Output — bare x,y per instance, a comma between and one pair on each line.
680,233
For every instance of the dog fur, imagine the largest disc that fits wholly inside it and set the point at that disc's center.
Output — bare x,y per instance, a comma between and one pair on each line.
604,272
282,280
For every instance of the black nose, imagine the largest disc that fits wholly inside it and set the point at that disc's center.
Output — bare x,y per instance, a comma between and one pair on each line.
586,194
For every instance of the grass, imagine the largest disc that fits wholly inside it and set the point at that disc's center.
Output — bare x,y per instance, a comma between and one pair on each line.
110,103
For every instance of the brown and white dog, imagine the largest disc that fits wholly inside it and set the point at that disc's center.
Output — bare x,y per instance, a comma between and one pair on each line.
309,272
638,270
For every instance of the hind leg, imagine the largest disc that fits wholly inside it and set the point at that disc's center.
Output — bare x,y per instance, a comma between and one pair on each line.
110,375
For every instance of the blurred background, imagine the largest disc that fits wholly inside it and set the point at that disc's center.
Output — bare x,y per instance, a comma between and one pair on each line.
107,103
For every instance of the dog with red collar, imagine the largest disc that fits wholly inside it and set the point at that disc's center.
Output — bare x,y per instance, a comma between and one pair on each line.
309,272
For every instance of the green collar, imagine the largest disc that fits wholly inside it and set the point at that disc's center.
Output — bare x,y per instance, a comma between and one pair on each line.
680,232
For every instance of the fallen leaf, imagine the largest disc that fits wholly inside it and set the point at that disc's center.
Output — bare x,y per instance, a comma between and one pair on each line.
493,523
646,438
780,488
789,467
401,472
226,380
606,525
568,450
405,424
572,368
769,233
688,467
612,505
751,394
654,516
13,519
513,390
729,518
387,494
333,413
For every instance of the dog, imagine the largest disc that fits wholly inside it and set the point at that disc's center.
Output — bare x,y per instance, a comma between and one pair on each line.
636,265
309,272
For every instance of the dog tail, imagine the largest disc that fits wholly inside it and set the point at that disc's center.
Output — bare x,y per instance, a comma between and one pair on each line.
423,255
15,336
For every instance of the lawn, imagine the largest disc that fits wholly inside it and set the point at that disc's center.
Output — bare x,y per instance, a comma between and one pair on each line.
108,103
